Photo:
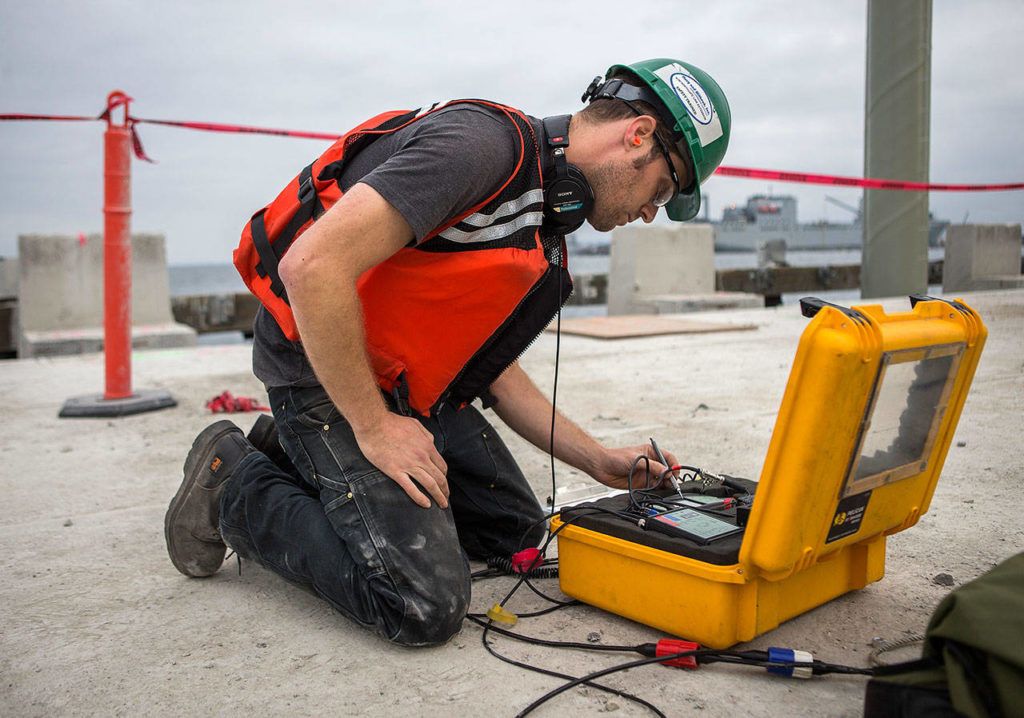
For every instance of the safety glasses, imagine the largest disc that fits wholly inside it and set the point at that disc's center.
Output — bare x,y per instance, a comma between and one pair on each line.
666,196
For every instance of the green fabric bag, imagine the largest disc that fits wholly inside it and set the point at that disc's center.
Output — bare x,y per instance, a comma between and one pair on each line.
973,659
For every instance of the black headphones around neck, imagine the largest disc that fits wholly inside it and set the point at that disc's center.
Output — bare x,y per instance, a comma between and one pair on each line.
568,198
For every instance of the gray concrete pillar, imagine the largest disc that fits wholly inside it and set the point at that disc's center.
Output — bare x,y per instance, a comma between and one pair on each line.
896,146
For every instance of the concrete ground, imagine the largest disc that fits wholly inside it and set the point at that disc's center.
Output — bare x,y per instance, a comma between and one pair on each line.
96,621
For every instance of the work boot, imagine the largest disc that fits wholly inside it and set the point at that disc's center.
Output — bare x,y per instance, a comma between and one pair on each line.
191,526
264,436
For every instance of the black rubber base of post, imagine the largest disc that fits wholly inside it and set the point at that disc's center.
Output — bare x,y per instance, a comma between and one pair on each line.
94,405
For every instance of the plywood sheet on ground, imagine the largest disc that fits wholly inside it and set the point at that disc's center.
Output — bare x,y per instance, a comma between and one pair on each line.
626,326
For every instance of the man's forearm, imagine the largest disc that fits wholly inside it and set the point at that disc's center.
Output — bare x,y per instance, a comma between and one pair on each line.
525,409
333,340
321,272
328,315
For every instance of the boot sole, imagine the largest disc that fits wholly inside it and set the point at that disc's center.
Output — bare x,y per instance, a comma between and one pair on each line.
202,445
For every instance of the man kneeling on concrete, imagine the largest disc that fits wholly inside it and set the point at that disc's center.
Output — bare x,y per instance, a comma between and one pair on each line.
416,259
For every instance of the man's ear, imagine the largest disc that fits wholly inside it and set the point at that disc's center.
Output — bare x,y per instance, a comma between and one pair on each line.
640,127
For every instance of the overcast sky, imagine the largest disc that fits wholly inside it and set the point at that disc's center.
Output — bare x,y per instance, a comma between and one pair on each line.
793,72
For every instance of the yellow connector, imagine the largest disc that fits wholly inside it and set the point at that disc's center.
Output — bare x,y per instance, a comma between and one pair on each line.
499,614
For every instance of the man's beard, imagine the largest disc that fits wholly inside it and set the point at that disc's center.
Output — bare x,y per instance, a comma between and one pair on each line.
607,181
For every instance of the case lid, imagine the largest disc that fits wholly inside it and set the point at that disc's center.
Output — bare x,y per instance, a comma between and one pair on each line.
868,415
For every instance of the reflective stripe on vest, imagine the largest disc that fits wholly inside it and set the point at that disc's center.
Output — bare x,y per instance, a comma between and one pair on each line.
504,221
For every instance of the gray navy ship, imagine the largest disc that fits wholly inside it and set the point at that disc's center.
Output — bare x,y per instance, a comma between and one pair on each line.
770,217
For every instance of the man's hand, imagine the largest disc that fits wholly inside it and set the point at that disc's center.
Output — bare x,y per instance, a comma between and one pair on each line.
614,466
401,448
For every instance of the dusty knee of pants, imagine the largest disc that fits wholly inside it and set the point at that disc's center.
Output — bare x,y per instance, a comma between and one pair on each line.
432,614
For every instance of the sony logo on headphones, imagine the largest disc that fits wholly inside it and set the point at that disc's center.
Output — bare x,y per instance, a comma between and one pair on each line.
566,194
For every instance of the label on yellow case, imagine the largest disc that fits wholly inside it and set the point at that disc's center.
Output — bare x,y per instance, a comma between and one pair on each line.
849,514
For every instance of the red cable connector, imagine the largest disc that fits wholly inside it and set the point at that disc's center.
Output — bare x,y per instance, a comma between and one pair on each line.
670,647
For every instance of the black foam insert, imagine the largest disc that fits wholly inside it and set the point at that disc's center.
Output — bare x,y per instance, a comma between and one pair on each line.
721,552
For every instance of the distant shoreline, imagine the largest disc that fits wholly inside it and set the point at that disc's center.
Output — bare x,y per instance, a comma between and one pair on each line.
221,278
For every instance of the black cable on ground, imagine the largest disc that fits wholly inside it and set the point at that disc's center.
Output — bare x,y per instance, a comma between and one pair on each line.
524,578
483,621
590,677
537,669
754,658
501,565
702,656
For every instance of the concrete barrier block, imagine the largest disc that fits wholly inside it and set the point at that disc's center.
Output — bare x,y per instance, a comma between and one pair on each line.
649,261
713,302
60,295
84,341
8,307
982,256
589,289
8,277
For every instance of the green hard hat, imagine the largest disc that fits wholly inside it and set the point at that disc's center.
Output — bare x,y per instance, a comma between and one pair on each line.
691,103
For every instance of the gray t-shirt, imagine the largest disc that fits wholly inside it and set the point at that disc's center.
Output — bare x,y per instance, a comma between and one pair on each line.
431,171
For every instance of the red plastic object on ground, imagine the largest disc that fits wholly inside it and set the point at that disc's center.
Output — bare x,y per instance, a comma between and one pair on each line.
229,404
526,560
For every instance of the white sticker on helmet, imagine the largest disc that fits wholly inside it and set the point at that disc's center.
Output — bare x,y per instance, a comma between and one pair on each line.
696,101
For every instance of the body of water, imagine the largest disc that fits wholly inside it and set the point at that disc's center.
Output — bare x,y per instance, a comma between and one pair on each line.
190,279
223,279
598,264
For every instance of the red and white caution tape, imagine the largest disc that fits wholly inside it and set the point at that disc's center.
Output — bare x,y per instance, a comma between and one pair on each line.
243,129
66,118
747,172
866,182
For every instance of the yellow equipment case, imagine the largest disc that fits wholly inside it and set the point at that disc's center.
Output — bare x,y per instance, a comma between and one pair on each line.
868,415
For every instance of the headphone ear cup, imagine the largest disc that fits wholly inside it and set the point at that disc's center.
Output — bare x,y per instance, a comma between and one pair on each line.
567,200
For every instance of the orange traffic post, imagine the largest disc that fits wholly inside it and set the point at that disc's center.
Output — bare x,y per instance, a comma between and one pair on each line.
118,398
117,252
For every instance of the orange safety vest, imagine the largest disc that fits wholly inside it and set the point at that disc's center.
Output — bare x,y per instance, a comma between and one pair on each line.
444,318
